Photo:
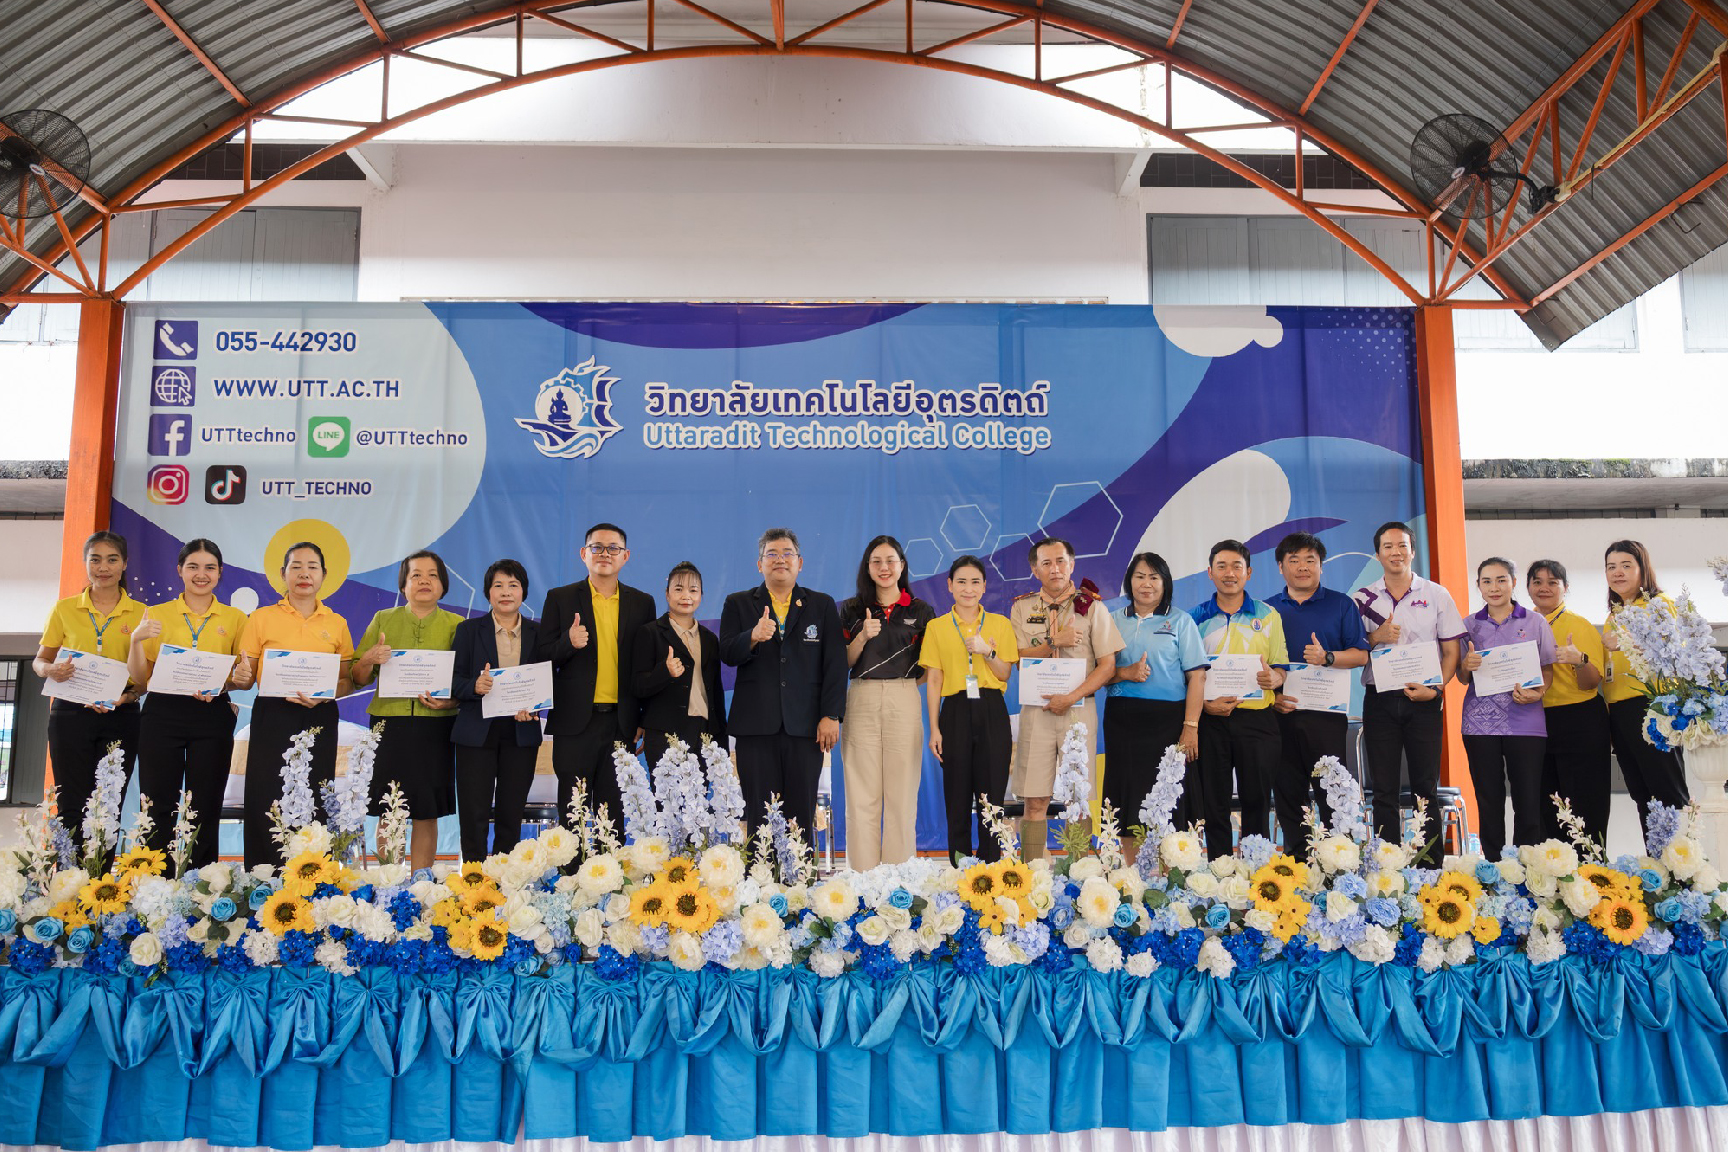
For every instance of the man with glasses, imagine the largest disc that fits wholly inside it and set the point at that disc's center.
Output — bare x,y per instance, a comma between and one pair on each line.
588,630
790,691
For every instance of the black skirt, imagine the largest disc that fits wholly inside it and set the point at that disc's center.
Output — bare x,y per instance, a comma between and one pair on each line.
416,753
1136,733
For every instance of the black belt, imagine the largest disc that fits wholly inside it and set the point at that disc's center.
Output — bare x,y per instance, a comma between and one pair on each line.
605,707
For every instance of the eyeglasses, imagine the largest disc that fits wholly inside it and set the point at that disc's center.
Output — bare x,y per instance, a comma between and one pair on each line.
778,555
607,549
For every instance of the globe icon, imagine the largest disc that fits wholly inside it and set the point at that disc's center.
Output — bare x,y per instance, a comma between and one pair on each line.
173,386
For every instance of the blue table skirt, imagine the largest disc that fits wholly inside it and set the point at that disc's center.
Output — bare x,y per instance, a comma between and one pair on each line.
292,1058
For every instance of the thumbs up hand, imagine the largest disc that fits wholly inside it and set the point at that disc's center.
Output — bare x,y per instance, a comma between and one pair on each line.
673,664
578,634
240,676
1568,653
379,653
1386,633
872,626
483,682
1610,637
149,630
1313,653
764,628
1267,678
1472,658
1140,671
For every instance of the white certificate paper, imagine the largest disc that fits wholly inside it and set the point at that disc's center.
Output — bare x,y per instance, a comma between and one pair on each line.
187,671
1041,677
95,679
1395,665
524,688
1317,688
1235,675
285,673
1507,667
411,671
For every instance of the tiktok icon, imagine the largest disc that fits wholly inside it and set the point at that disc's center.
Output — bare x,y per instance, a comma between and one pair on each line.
225,484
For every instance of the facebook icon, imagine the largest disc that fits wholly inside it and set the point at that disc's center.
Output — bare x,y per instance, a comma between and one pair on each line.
170,434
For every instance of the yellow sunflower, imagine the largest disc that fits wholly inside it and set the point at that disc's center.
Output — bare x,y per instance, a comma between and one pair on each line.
1288,867
690,909
1486,929
1610,882
1012,878
991,920
1459,884
286,912
141,861
1621,920
106,895
1270,890
306,871
1447,914
1292,919
481,900
447,913
979,887
650,904
678,870
70,913
487,939
470,875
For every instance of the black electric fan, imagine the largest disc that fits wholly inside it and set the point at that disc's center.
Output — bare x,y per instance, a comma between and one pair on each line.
44,162
1462,167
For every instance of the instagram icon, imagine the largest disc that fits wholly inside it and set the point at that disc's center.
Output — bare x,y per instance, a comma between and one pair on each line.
167,484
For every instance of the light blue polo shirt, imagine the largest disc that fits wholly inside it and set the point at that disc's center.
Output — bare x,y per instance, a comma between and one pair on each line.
1171,645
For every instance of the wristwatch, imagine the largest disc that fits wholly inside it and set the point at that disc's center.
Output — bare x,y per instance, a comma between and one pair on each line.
1331,657
1583,659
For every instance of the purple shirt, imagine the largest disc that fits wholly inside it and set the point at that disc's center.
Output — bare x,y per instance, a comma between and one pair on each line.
1498,715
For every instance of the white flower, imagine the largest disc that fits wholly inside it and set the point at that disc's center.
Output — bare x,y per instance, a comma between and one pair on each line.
12,885
1336,854
543,942
199,932
828,963
1339,907
1550,858
998,953
313,838
1541,884
334,910
761,927
1375,947
217,877
685,951
419,930
1085,868
1182,850
929,939
1237,891
1546,920
590,928
523,920
374,923
530,852
721,866
1655,866
1683,857
833,899
600,873
1581,897
1184,915
260,946
146,950
1215,959
1390,857
904,945
1465,863
1511,871
1461,949
1129,883
1104,954
1097,902
559,846
64,884
1543,946
1141,964
1260,920
873,930
897,919
1040,899
1706,879
1204,885
1077,935
1224,866
949,920
1433,955
647,855
624,937
1385,883
332,957
725,899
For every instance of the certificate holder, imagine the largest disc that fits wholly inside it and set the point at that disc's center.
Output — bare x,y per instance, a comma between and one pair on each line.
1395,665
1234,674
95,680
284,673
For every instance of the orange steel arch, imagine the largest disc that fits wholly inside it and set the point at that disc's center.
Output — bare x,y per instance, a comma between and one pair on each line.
746,43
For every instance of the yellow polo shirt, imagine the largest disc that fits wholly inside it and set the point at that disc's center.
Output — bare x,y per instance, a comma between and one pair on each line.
1622,684
1569,627
945,650
280,625
75,623
606,646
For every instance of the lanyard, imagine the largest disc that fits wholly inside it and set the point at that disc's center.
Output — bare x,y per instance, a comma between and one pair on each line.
99,629
971,657
198,631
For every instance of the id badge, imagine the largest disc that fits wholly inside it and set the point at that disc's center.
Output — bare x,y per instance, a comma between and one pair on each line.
972,688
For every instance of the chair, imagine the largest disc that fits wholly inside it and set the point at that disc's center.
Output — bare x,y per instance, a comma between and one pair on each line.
1454,817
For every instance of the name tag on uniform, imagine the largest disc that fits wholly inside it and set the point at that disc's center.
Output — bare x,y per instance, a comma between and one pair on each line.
972,688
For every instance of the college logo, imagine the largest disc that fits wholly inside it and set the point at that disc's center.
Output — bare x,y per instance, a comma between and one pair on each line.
810,633
176,340
167,484
225,484
574,414
327,437
172,386
170,434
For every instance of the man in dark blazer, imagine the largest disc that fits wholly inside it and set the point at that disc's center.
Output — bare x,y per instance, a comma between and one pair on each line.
588,631
790,692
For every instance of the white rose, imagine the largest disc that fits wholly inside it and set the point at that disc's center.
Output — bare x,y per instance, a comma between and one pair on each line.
1215,959
897,919
146,950
1225,866
523,919
1541,884
1581,897
1545,920
624,937
685,951
1104,955
1511,870
1260,920
1706,879
1085,868
1237,891
218,876
198,932
997,951
1339,907
929,939
1077,935
873,930
1184,915
1465,863
334,910
1041,900
949,920
1009,911
1204,885
419,930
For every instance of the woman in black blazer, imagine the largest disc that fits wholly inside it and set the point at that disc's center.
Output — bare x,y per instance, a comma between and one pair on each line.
494,758
674,656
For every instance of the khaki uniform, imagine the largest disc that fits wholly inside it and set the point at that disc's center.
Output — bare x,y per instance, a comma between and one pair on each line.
1041,734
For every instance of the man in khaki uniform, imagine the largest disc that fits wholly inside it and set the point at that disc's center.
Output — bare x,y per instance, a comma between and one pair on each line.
1061,621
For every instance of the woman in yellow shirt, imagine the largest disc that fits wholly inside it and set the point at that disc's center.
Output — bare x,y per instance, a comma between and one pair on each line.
1650,774
970,654
187,740
299,622
99,620
1576,762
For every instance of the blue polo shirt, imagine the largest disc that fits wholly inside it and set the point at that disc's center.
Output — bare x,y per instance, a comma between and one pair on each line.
1171,645
1332,616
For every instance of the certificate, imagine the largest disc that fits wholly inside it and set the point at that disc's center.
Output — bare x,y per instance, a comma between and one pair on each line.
1235,675
95,679
1507,667
1317,688
187,671
411,671
1395,665
285,673
1041,677
524,688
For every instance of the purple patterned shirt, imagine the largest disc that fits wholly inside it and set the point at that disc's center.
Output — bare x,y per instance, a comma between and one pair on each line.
1498,715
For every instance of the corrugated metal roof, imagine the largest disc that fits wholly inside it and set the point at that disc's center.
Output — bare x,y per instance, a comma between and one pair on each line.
118,72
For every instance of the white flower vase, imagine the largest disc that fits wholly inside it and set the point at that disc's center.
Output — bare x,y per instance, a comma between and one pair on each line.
1707,767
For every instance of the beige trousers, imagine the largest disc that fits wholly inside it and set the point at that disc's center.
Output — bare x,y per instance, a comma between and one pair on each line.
882,746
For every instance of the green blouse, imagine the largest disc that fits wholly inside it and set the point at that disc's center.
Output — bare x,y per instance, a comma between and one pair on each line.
406,630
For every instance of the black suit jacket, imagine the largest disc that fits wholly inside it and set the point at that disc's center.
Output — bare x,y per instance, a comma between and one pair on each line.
665,701
784,684
477,648
574,669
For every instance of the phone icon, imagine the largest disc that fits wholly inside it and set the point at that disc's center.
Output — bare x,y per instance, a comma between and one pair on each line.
176,339
225,484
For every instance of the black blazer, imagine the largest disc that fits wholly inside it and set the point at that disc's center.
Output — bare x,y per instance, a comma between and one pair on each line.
575,669
784,685
476,647
665,701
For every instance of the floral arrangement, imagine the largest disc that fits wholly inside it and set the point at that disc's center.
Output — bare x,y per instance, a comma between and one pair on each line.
1672,650
682,884
1719,569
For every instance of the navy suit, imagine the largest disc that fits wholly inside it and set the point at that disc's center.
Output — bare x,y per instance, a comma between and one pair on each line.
494,757
785,686
665,700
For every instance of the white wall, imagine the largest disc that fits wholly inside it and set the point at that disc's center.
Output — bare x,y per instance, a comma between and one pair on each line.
29,574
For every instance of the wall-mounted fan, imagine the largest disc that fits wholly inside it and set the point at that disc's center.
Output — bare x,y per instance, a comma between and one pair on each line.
44,162
1462,166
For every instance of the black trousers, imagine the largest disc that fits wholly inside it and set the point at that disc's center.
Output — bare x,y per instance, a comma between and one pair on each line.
1396,731
492,784
1499,764
275,722
185,743
655,742
1578,766
1136,733
977,751
1238,755
1305,738
78,738
1650,774
587,756
787,766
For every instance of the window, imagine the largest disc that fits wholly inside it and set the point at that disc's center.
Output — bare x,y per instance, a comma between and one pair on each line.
1704,303
8,711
